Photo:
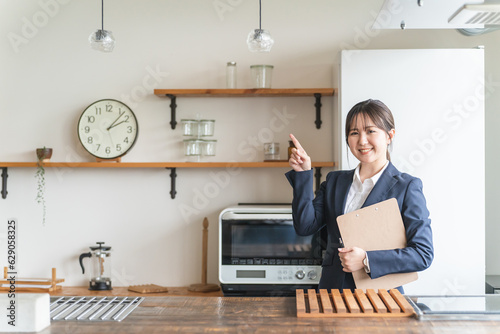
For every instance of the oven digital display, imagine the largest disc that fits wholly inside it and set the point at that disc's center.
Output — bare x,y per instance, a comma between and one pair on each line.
268,242
250,274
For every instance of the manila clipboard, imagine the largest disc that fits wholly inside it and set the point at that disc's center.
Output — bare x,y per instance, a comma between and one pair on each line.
376,227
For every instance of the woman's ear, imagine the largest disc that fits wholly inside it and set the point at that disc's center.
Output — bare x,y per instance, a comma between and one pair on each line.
391,133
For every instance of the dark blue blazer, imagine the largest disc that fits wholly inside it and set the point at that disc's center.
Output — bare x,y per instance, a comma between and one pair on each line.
310,214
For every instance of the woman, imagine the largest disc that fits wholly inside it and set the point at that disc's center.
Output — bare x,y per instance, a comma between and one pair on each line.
369,132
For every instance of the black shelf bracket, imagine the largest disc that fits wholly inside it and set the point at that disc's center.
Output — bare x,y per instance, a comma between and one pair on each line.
4,182
317,177
173,176
173,106
318,110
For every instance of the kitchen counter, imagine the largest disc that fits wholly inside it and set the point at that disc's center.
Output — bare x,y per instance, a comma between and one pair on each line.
124,292
253,315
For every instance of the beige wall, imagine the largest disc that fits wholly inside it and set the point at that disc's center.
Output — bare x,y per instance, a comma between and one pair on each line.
49,75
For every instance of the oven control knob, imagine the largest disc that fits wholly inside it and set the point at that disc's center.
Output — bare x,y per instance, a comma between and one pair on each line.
312,274
300,274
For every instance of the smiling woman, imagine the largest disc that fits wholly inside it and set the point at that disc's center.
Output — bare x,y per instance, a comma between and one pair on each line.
369,131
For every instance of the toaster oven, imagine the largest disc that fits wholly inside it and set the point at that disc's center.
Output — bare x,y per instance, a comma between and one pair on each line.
260,254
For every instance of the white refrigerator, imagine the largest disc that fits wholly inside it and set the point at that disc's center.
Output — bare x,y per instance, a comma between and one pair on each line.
437,97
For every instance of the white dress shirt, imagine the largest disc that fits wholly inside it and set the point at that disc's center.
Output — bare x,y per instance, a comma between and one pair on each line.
359,191
357,195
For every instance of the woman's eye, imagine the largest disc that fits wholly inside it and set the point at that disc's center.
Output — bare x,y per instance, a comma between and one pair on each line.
353,133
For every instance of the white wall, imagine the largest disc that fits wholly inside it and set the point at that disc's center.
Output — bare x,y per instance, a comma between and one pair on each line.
48,79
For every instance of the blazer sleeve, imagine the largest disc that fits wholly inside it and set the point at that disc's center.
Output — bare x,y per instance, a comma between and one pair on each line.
419,252
307,210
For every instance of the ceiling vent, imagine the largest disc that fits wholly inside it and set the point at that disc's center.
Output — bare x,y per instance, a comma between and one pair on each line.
421,14
487,14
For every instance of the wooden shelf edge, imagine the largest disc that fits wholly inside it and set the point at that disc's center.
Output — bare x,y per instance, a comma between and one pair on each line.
163,164
269,92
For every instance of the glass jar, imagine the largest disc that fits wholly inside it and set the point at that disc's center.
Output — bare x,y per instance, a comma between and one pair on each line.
192,147
189,127
261,75
206,127
208,147
271,151
231,74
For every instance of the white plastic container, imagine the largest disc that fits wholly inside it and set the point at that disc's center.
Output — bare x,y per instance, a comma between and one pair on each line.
29,311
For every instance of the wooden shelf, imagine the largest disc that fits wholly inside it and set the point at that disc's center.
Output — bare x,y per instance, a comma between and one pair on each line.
168,165
268,92
317,93
161,164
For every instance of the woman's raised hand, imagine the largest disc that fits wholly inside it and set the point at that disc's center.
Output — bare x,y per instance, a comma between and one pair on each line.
299,160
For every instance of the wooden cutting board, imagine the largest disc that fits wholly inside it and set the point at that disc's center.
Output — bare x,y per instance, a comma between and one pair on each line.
147,288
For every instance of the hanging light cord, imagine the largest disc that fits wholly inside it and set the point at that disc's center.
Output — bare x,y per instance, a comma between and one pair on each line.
102,14
260,14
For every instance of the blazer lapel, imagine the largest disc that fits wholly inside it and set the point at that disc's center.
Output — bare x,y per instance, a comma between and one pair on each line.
384,184
341,190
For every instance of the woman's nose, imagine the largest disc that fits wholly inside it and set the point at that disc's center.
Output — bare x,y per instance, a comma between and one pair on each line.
363,139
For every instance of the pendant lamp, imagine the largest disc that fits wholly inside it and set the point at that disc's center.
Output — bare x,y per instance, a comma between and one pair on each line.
102,40
259,40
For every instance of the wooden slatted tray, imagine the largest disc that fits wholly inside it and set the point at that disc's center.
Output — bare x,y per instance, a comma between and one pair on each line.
346,304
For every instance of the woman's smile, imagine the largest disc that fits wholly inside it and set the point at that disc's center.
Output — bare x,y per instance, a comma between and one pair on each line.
365,150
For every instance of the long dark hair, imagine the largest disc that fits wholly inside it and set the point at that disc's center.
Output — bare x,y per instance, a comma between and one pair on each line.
374,110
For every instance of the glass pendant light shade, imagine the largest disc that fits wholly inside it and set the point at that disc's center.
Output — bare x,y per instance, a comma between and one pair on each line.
259,40
102,40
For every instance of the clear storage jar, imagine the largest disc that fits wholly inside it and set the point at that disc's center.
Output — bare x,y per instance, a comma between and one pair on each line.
189,127
192,147
231,75
208,147
271,151
262,75
206,127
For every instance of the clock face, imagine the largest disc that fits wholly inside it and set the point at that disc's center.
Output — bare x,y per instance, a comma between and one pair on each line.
107,129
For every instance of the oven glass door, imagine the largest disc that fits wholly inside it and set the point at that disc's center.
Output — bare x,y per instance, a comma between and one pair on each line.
268,242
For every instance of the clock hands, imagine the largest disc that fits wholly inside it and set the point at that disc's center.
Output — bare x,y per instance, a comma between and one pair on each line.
117,124
113,124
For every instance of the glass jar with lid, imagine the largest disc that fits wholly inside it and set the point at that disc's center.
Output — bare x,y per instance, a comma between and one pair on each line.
231,75
189,127
192,147
208,147
206,127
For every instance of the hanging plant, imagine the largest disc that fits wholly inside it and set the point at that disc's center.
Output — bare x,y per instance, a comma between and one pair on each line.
43,155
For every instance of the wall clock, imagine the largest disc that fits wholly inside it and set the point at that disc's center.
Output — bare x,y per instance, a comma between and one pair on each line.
108,129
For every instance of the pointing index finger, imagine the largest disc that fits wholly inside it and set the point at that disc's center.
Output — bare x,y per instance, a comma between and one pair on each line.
296,142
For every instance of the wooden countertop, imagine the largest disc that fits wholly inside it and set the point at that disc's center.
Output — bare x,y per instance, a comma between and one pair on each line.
180,314
123,292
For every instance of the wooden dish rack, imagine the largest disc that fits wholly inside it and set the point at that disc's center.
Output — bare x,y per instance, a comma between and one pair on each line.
348,304
32,284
